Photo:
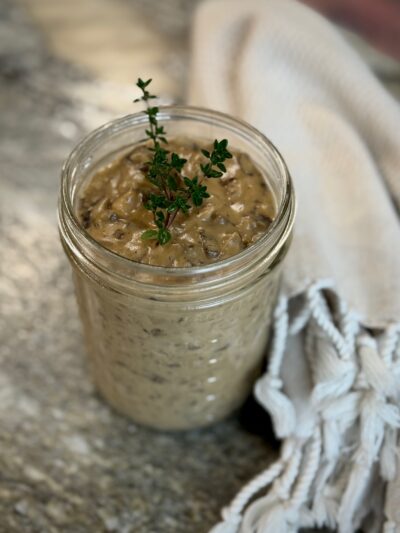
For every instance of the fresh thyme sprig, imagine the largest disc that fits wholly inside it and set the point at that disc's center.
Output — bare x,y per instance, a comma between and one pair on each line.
176,192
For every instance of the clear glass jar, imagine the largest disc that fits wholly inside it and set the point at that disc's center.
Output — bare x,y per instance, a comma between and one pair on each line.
175,348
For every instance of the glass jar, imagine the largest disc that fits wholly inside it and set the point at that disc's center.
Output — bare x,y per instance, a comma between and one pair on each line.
175,348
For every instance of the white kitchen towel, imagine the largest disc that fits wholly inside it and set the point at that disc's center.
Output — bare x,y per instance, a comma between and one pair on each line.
333,382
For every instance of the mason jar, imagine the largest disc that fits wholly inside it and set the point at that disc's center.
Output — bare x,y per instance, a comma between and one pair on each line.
177,347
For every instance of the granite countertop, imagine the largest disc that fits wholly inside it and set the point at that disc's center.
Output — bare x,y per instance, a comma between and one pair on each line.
67,461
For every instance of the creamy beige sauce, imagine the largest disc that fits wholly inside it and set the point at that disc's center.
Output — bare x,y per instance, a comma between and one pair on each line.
239,211
176,365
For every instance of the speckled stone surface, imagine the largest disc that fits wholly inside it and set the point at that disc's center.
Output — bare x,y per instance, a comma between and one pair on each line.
67,462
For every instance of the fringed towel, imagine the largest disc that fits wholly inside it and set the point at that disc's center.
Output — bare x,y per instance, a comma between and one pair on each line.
333,380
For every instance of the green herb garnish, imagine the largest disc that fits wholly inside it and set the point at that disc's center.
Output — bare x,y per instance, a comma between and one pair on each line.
175,191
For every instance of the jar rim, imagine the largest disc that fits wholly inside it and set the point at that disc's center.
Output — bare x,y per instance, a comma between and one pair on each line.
281,225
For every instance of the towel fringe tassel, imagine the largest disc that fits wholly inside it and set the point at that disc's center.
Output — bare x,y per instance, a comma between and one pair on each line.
328,476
